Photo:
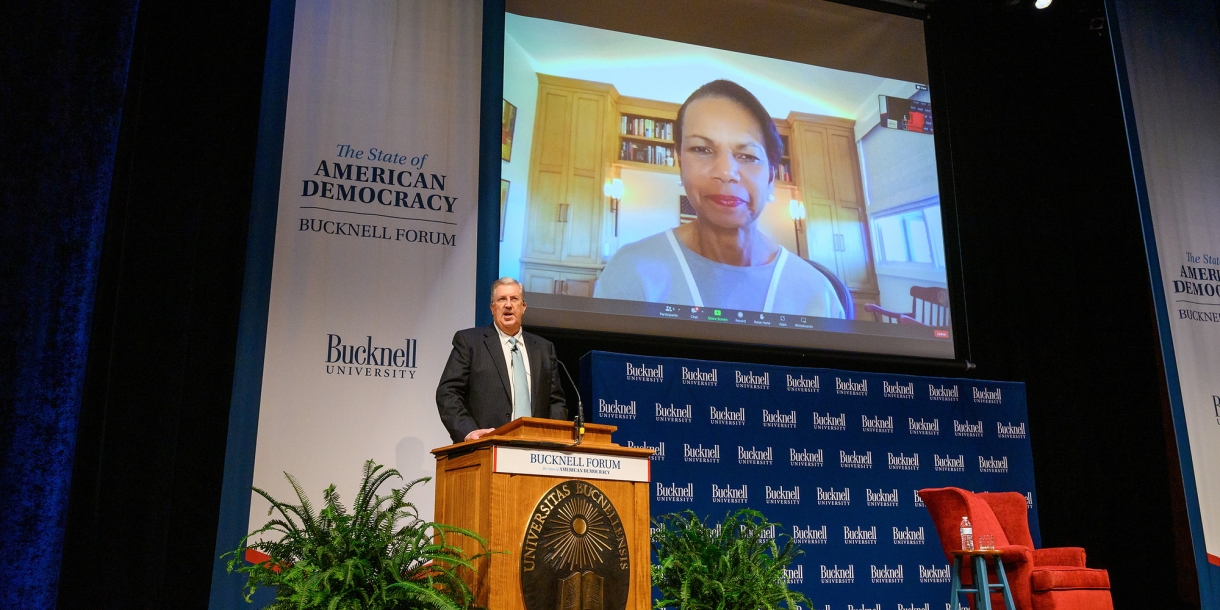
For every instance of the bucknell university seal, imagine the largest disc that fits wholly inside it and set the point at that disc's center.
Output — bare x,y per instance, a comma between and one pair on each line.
574,556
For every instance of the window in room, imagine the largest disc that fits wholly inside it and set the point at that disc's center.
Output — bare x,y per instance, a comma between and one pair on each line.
911,238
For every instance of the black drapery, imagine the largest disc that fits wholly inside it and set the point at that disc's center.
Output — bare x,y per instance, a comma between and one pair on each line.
62,81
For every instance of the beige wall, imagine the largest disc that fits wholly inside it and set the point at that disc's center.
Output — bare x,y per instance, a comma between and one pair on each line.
649,206
521,90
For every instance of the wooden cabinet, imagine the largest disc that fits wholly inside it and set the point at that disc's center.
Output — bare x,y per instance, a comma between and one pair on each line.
558,279
827,172
568,164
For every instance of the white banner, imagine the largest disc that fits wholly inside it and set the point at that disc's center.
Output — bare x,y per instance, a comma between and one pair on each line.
544,462
374,263
1172,55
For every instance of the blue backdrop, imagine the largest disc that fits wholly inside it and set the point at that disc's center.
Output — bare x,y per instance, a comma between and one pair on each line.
836,457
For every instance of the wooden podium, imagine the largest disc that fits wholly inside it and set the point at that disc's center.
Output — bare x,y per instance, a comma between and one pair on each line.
574,520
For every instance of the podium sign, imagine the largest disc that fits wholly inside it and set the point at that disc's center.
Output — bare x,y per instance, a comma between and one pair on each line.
574,520
553,463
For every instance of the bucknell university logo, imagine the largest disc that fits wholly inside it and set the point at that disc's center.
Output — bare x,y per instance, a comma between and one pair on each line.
754,455
672,414
881,497
368,360
992,465
829,421
751,381
727,416
903,462
851,388
801,384
838,576
675,493
794,576
710,455
859,535
779,495
876,424
949,463
886,575
907,535
834,498
615,409
730,495
855,460
658,450
967,428
778,419
934,573
645,373
1010,431
808,535
923,426
940,392
804,457
985,395
898,390
698,377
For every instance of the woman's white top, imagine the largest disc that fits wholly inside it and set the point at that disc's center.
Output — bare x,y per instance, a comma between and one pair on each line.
661,269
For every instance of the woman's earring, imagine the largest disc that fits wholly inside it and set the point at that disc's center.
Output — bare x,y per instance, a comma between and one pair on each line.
771,198
679,182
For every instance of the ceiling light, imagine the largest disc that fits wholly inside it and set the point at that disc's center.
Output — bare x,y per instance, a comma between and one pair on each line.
1042,3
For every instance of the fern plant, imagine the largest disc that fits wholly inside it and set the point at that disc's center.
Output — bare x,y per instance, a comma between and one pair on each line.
378,555
736,565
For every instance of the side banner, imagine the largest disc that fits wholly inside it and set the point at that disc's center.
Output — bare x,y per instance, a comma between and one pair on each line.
836,457
1169,66
374,258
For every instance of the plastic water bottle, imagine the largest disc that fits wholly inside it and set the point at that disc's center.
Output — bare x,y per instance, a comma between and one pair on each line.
967,533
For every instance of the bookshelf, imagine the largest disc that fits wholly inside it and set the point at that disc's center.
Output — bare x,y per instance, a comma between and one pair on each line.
645,138
646,135
785,172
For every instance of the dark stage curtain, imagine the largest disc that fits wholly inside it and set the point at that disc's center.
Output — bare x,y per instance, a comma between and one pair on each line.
62,82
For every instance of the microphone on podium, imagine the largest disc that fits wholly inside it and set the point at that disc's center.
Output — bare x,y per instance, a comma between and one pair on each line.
579,422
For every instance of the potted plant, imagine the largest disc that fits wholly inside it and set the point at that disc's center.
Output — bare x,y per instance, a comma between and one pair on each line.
736,565
377,555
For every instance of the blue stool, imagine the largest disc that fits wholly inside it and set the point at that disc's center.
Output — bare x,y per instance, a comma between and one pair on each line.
981,592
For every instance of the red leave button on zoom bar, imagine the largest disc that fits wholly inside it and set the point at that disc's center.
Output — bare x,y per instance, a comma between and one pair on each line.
940,334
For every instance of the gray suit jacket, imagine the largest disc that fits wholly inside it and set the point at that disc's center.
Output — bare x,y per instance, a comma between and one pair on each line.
474,391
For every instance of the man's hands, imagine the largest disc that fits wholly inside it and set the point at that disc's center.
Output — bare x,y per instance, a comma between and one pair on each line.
477,434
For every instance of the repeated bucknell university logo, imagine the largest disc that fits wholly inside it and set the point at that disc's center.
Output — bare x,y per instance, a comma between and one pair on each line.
575,551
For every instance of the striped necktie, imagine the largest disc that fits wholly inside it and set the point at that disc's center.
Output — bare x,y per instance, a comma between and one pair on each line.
521,389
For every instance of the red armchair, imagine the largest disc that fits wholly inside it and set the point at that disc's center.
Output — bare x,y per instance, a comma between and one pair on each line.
1040,579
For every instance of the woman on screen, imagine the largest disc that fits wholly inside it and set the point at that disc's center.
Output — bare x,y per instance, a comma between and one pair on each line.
728,155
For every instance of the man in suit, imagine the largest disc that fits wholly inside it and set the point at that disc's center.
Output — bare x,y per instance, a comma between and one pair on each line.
498,373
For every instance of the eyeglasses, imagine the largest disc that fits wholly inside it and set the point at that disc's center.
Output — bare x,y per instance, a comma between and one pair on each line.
514,299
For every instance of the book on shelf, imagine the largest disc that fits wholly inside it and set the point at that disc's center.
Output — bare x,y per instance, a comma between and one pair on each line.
646,127
652,154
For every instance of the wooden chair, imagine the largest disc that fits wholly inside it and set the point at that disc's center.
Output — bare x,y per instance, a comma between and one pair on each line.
841,290
929,307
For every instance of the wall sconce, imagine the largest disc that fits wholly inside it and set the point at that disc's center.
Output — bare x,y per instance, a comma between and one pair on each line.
796,210
614,190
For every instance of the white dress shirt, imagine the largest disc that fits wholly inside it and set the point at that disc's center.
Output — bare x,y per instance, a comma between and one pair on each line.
508,360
